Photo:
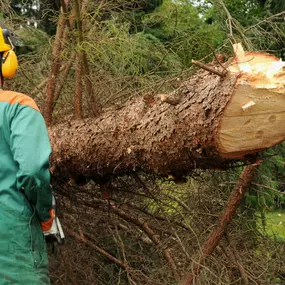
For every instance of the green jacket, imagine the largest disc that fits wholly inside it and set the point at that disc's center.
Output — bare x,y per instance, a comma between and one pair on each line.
25,192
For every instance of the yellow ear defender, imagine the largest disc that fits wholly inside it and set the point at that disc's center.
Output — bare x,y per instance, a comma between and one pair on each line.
9,61
9,64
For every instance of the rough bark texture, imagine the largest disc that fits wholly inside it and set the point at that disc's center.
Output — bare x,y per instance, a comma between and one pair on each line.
55,68
84,60
78,89
233,203
66,69
209,121
147,134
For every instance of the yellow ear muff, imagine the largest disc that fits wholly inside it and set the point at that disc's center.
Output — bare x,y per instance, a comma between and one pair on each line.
9,64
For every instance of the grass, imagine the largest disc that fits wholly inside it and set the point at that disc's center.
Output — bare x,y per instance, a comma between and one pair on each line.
275,225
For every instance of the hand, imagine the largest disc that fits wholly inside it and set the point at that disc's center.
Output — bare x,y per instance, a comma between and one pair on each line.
46,226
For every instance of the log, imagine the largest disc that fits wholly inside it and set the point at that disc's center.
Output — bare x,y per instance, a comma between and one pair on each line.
216,120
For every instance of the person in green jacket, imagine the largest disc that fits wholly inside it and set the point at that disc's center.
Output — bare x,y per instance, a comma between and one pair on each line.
25,191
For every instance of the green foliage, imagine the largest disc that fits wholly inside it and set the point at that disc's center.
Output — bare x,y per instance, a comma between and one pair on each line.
150,5
267,35
196,42
246,12
132,12
139,5
271,174
275,225
183,31
172,18
275,6
33,39
44,12
122,53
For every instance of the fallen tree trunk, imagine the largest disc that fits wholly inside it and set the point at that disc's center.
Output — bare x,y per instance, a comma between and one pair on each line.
208,121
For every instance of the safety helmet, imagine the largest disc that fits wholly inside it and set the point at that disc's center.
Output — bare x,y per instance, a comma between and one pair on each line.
9,62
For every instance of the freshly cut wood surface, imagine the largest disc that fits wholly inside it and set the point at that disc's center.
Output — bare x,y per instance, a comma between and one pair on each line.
254,118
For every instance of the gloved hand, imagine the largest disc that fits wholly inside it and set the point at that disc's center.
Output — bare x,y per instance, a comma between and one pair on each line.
46,226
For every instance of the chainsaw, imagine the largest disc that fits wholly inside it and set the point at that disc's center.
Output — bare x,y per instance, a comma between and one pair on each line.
55,234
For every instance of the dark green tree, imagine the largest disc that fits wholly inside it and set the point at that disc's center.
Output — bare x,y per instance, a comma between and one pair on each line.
43,12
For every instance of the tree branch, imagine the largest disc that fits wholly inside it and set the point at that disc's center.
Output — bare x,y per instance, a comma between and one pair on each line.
233,203
51,84
146,229
79,238
264,20
208,68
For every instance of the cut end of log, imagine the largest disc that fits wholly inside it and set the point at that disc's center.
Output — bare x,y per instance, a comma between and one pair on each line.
254,118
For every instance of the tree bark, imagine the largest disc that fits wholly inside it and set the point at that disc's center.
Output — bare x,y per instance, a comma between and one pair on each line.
147,134
216,120
78,89
84,60
55,68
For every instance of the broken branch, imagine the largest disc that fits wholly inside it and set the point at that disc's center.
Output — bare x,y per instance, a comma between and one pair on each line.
208,68
79,238
233,203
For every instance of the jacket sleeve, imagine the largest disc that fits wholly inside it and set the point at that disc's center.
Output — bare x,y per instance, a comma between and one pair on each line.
31,149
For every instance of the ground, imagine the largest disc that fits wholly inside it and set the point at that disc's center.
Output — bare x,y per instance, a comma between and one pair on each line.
275,225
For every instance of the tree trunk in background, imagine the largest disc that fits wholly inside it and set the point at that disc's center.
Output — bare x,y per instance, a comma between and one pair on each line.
215,119
79,15
78,88
66,71
55,68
